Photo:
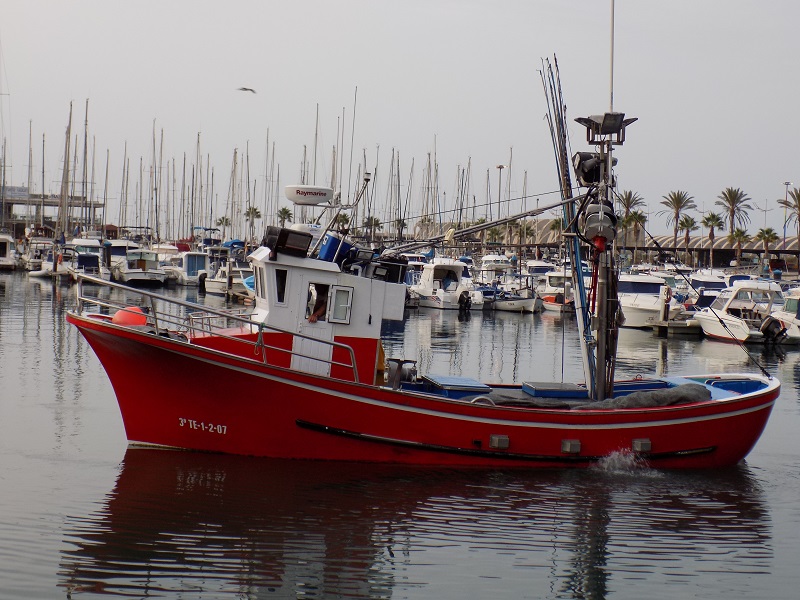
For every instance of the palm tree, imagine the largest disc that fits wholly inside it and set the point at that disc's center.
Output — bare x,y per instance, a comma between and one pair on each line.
400,225
676,203
371,224
688,224
482,233
341,221
735,203
738,237
524,231
494,234
223,222
712,221
637,219
792,204
629,201
251,214
284,214
766,236
512,232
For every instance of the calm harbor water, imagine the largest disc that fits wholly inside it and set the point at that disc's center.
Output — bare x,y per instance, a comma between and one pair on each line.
83,516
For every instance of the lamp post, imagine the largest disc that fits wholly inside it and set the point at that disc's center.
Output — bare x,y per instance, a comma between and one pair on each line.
785,206
499,186
764,210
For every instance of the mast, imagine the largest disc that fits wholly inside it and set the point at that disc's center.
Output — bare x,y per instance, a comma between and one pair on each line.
84,220
41,210
63,210
3,184
593,170
92,220
105,194
30,170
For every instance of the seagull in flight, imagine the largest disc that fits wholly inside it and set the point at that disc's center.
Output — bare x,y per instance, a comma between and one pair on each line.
247,89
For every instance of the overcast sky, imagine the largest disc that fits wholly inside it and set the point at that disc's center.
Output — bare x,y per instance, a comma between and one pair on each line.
714,84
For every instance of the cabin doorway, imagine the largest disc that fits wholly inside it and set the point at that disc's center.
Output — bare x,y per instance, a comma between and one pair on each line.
310,355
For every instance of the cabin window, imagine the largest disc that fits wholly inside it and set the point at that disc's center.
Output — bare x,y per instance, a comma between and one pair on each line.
259,279
342,301
317,302
281,276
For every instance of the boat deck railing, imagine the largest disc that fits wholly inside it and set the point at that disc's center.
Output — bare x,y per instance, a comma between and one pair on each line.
182,320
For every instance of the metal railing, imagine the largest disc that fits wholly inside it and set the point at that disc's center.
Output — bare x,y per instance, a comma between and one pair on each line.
183,321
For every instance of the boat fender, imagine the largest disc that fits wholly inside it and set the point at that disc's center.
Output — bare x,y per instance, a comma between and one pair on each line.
60,258
130,316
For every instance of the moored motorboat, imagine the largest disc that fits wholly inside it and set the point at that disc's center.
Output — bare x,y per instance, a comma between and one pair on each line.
556,291
743,313
646,300
9,259
444,283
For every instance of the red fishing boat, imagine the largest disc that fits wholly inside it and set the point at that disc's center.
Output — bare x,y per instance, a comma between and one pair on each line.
303,374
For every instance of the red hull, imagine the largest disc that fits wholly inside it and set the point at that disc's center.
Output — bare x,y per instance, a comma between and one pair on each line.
183,395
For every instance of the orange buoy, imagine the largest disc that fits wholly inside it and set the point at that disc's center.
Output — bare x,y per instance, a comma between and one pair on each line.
131,315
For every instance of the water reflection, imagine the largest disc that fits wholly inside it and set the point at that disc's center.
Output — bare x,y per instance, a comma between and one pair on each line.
180,522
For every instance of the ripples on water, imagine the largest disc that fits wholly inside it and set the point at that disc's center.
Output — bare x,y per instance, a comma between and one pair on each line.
83,515
180,522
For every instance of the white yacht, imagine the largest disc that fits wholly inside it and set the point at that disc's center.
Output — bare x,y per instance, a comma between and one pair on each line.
646,300
444,282
141,267
8,251
185,268
86,256
35,250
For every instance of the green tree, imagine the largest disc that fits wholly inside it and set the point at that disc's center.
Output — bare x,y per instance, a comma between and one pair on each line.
792,205
372,224
712,221
284,215
251,214
495,234
735,203
688,225
677,203
400,225
628,202
637,219
739,237
223,222
766,236
341,221
482,232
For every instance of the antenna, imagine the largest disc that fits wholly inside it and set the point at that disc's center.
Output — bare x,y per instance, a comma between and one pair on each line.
611,103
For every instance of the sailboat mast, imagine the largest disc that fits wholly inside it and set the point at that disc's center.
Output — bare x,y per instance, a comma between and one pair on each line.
41,210
30,171
105,193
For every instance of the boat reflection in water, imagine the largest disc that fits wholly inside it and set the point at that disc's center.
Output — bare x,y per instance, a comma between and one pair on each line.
180,523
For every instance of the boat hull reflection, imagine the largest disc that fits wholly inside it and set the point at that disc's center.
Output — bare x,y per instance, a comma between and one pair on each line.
180,522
